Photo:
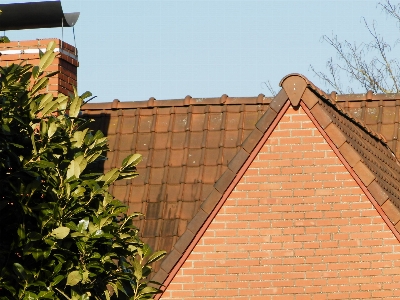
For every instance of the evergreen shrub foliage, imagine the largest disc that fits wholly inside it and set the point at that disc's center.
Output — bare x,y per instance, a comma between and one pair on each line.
62,234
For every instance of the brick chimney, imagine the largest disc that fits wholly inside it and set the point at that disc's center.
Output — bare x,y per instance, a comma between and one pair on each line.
66,63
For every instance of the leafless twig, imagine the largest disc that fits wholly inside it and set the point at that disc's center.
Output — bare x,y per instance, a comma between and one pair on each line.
367,64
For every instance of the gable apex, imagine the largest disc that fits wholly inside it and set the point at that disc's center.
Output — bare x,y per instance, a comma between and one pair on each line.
294,86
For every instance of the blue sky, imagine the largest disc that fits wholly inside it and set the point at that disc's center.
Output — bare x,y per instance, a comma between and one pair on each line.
133,50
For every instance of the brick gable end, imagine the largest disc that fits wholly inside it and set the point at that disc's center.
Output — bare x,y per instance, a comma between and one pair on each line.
297,226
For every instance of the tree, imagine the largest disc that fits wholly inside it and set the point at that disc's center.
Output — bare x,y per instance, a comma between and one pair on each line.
381,73
62,234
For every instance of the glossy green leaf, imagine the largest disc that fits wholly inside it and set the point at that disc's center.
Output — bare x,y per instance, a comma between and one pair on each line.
46,99
30,296
60,232
39,85
46,295
47,58
74,278
137,270
57,280
146,250
132,160
156,256
21,232
20,271
49,108
52,129
78,192
86,94
107,294
35,72
51,46
76,167
75,107
148,290
110,176
78,138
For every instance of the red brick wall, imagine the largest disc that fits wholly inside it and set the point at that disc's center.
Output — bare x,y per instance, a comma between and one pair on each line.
297,227
64,81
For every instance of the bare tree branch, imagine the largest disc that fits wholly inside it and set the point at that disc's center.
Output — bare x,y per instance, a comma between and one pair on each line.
367,64
269,87
391,9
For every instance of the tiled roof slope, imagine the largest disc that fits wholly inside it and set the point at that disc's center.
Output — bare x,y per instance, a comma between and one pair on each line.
364,153
379,112
186,146
193,150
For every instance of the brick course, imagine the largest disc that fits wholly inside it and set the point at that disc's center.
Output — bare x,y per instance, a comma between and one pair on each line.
297,226
64,81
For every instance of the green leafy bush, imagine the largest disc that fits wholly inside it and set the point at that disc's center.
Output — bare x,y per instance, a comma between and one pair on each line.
62,235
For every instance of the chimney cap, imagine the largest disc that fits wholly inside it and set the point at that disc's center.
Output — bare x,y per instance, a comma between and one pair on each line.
33,15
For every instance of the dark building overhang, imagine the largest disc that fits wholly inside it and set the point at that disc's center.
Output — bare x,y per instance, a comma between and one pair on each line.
32,15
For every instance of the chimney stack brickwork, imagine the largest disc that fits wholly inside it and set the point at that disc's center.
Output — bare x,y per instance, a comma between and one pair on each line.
66,63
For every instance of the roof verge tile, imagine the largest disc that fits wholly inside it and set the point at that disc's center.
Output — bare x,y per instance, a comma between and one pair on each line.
377,192
160,276
335,134
184,241
224,181
197,221
170,261
278,101
252,140
391,211
364,173
238,161
211,201
266,120
321,116
309,98
351,155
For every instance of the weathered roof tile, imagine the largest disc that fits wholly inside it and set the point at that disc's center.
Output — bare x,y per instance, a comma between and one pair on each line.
391,211
252,140
237,162
224,181
321,116
184,241
309,98
335,135
379,194
351,155
211,201
265,121
170,261
279,101
196,223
